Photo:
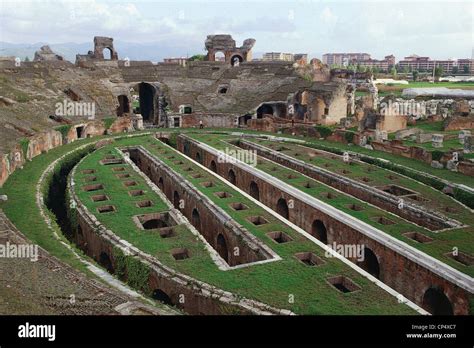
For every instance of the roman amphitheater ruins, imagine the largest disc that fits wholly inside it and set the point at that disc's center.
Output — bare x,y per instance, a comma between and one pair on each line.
227,187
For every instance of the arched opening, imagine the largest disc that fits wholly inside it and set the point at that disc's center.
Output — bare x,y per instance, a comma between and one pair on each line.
436,302
282,208
176,200
370,263
231,176
264,109
236,60
146,97
222,90
196,219
222,247
107,53
254,191
198,157
161,184
319,231
104,261
124,105
160,295
219,56
213,166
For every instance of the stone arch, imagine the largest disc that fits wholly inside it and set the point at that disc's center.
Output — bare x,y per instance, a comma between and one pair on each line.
219,56
124,105
282,208
213,166
318,230
232,177
222,247
236,59
161,296
370,263
196,219
104,261
176,200
436,302
264,109
254,190
107,53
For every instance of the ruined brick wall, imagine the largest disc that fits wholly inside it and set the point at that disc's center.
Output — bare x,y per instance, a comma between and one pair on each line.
459,123
396,270
466,168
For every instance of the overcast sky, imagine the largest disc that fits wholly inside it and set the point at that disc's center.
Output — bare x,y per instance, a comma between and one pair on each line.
440,29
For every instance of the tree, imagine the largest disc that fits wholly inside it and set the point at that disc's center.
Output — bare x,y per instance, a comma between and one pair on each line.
455,70
438,71
415,75
465,69
393,72
26,59
197,57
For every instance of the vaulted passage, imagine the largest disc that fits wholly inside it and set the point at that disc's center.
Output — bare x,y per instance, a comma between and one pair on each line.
231,177
319,231
176,200
222,247
370,263
254,192
282,208
264,109
436,302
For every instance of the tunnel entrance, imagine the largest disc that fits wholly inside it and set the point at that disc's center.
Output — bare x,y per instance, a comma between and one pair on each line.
176,200
254,192
436,302
196,219
213,166
370,263
282,208
147,96
104,260
222,247
319,231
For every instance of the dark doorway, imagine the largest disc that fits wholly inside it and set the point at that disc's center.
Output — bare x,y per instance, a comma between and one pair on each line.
104,261
222,247
80,132
124,105
147,105
162,296
213,166
198,157
176,199
254,192
196,219
436,302
282,208
370,263
161,184
236,60
244,119
232,178
319,231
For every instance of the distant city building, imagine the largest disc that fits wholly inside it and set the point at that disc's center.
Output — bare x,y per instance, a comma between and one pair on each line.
344,59
362,59
181,61
418,63
301,58
273,56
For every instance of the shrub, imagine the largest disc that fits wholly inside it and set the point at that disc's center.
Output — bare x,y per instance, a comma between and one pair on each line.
64,130
323,131
349,136
436,155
